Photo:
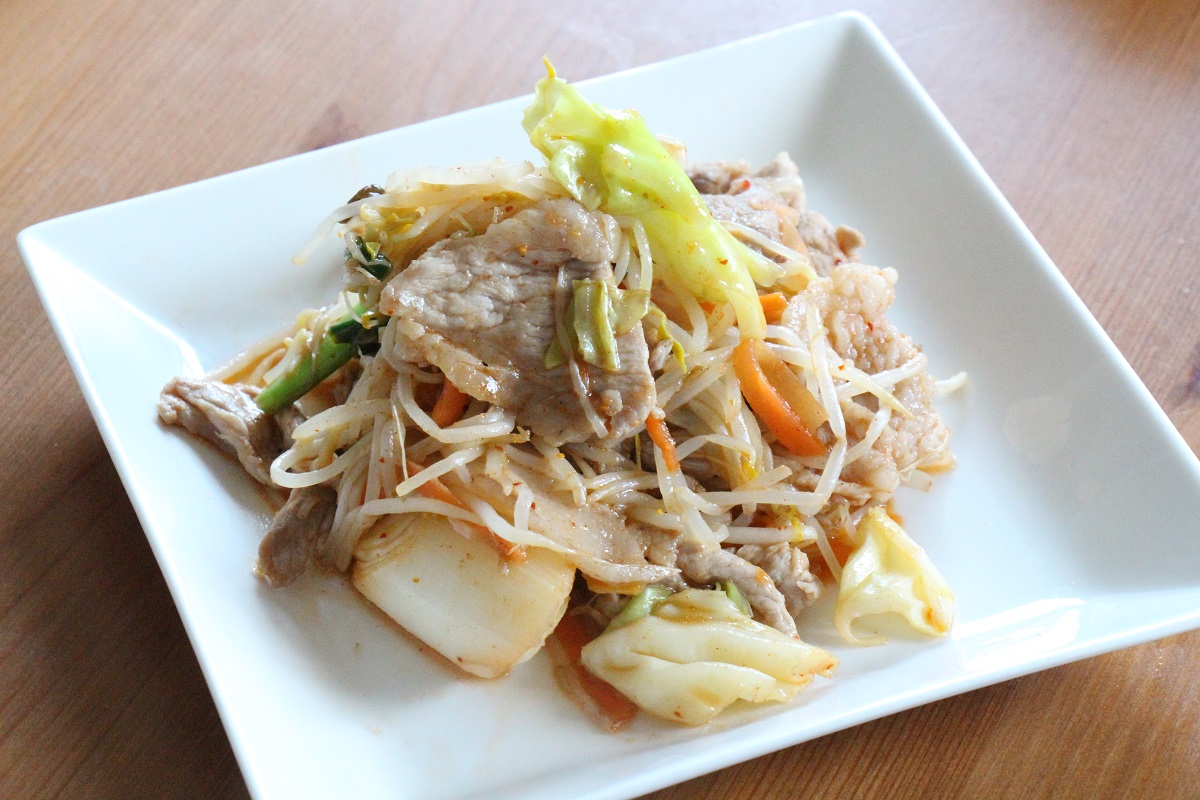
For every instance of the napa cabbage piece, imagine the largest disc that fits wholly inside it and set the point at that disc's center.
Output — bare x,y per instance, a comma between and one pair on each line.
695,653
890,573
610,161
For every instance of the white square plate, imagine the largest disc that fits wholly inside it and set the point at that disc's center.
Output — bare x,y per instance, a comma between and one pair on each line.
1067,530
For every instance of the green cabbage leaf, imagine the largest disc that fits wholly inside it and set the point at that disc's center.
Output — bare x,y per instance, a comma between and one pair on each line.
611,162
687,656
890,573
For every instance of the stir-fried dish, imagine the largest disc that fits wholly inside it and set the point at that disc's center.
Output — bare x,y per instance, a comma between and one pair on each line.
653,408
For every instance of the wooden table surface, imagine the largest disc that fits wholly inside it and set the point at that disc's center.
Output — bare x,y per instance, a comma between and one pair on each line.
1087,115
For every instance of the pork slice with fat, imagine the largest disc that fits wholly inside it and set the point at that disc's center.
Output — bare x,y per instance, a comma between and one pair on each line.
483,308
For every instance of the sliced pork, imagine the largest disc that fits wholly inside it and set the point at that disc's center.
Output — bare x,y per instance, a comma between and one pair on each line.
852,303
707,565
227,416
603,546
295,534
788,568
483,309
771,202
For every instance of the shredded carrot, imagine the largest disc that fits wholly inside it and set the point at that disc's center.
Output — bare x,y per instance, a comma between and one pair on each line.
426,395
436,490
773,305
765,518
657,428
842,545
779,399
708,307
573,633
450,405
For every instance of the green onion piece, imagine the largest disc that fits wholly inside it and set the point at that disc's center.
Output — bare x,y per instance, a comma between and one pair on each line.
291,386
368,256
349,330
735,594
343,340
365,192
640,606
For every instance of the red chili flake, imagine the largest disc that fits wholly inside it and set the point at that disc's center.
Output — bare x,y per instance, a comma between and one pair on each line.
722,261
870,327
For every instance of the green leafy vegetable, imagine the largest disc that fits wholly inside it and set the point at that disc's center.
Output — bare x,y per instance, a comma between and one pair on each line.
601,314
368,256
609,160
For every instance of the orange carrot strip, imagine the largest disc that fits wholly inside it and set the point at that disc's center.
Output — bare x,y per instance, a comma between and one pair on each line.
789,387
574,631
843,546
436,490
657,428
450,405
778,398
773,305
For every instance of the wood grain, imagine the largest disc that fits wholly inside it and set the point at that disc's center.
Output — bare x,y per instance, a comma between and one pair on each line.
1087,114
